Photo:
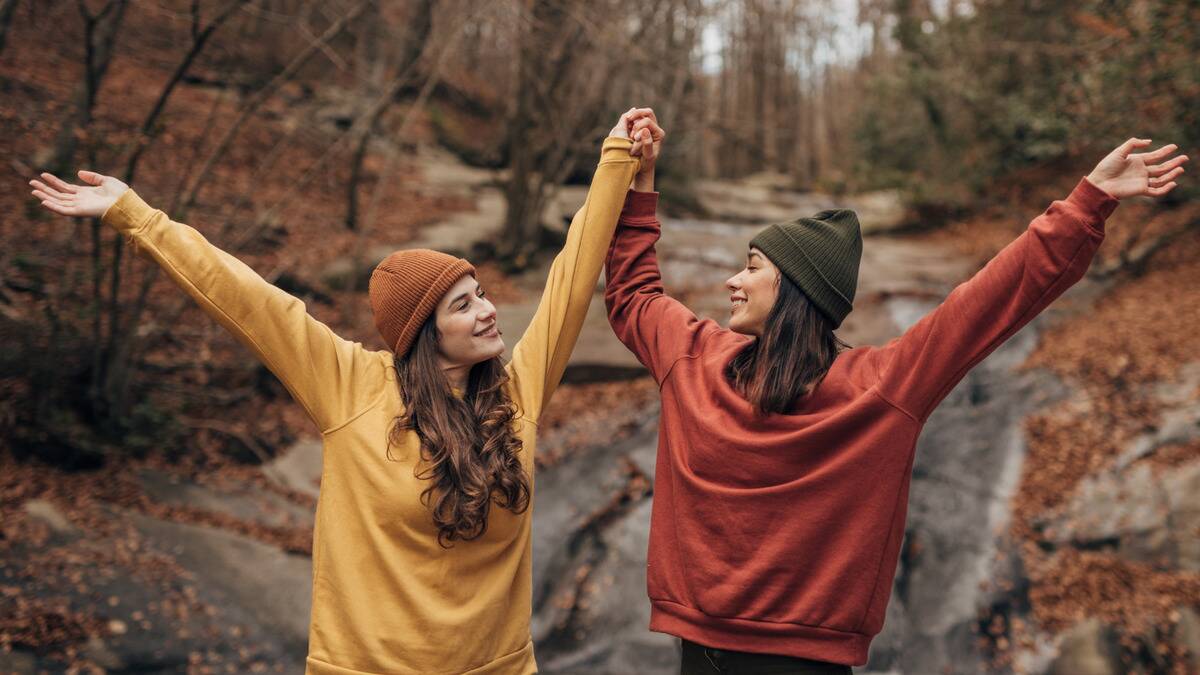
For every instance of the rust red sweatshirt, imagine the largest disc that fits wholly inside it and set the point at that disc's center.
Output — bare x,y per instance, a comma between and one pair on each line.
781,534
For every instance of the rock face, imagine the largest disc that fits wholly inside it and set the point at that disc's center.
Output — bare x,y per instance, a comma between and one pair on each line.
966,470
768,198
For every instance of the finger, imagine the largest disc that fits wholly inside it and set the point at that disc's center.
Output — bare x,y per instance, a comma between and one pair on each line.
49,197
1159,180
58,183
91,177
60,209
657,131
1161,190
643,113
651,152
1160,169
646,112
1131,145
1159,154
49,190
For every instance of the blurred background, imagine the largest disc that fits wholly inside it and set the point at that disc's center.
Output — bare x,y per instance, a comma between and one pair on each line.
157,484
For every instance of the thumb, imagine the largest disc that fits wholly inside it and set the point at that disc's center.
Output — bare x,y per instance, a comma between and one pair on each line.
91,177
1131,145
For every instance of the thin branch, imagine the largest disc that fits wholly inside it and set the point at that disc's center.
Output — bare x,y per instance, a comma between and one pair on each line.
260,97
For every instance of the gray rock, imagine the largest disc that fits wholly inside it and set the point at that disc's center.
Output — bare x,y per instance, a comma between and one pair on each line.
46,512
1187,634
1088,648
249,504
1142,515
299,468
271,588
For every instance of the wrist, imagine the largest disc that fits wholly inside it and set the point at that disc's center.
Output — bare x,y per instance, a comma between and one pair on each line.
644,181
1103,185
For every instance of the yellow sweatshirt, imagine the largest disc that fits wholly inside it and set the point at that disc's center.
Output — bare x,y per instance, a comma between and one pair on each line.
386,597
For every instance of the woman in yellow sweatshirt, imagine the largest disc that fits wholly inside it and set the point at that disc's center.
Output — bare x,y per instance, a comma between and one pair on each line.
422,549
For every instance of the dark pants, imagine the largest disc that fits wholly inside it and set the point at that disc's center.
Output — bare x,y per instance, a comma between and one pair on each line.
701,660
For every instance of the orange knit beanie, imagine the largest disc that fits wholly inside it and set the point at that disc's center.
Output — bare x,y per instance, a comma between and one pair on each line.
405,289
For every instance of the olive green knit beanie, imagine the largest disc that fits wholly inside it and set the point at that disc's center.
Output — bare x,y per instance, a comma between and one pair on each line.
820,255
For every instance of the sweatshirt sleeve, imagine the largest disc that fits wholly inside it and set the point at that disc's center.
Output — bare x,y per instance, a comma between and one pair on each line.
919,368
658,329
540,357
323,372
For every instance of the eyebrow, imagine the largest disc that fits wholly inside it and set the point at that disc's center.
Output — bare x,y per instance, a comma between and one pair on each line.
752,254
464,294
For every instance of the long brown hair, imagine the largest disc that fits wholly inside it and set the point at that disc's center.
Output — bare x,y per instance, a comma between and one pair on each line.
469,442
792,356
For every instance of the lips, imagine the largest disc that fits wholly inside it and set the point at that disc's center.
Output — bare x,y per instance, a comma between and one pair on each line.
736,302
491,331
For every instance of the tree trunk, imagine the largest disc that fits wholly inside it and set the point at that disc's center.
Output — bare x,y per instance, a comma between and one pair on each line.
100,35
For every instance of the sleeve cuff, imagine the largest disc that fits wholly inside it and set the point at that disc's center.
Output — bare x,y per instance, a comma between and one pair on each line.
617,149
1093,201
128,214
640,206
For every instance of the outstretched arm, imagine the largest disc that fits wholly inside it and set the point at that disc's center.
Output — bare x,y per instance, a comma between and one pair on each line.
919,368
323,372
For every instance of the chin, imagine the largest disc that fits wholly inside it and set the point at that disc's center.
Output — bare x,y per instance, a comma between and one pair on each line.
491,351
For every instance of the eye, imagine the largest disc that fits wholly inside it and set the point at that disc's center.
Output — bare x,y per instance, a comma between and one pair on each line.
481,293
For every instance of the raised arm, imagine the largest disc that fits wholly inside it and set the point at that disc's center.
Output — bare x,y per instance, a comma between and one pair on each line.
540,356
919,368
657,328
324,373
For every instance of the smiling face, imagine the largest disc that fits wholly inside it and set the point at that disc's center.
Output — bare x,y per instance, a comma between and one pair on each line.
466,324
754,291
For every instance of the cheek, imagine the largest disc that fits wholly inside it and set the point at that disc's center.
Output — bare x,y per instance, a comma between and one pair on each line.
455,328
765,292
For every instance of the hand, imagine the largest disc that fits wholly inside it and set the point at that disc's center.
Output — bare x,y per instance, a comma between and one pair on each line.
1126,174
647,138
79,201
621,130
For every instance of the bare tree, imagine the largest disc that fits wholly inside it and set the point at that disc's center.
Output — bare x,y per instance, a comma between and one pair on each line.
405,68
100,31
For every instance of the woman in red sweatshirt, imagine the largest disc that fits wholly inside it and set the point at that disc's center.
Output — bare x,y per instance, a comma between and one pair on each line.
784,458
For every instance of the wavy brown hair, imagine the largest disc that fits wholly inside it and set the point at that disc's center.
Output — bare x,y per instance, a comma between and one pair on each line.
469,443
790,358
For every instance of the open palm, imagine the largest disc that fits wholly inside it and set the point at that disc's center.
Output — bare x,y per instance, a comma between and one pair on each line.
1124,173
79,201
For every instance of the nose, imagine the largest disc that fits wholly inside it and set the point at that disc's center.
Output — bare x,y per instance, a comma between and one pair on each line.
487,311
734,282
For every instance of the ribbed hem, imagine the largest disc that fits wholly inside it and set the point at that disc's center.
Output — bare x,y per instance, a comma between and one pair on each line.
520,662
1094,202
616,149
760,637
128,214
640,206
